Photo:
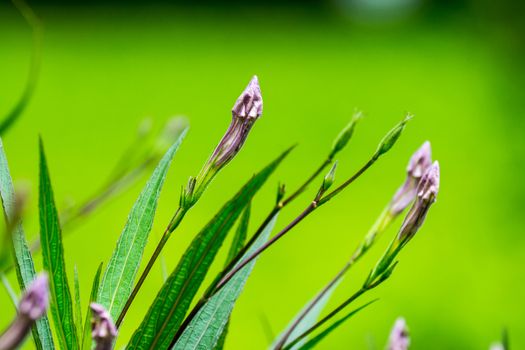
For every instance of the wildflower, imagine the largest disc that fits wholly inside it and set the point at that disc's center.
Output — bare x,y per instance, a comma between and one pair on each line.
399,336
417,166
427,190
247,109
103,330
32,306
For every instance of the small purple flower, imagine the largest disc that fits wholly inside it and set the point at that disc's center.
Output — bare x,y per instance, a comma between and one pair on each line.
35,300
418,165
32,306
103,330
427,191
399,337
250,103
247,109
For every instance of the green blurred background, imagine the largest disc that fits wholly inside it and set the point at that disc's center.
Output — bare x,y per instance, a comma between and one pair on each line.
458,66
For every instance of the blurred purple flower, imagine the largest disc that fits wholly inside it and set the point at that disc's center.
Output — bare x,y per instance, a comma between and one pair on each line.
427,191
399,336
32,306
103,330
417,166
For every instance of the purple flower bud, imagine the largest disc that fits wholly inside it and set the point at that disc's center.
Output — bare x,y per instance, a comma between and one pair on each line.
32,306
35,300
245,112
249,104
417,166
427,191
103,330
399,337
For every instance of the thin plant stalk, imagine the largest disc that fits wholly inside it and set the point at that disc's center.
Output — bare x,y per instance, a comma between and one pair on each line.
36,57
174,223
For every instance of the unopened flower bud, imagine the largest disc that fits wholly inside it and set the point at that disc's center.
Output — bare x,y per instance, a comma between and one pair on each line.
345,135
247,109
329,178
391,137
399,337
103,330
418,165
245,112
427,191
32,306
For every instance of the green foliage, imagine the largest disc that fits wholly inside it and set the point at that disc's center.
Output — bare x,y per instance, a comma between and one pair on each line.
86,334
207,326
24,266
53,257
172,302
117,283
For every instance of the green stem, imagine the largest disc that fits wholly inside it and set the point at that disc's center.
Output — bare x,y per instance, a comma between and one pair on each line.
174,223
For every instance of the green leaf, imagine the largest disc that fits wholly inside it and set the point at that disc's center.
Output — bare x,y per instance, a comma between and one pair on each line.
205,329
315,340
309,320
53,257
238,242
172,302
86,335
119,276
25,268
240,235
78,306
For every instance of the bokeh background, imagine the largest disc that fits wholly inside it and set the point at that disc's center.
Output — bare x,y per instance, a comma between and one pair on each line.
457,65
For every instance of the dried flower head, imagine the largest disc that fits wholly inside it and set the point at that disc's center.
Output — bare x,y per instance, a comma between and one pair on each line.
103,330
32,306
427,191
417,166
399,336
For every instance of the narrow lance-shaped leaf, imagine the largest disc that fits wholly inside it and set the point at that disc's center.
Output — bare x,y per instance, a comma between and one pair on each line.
238,242
24,266
53,257
208,324
173,300
86,334
312,343
119,276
